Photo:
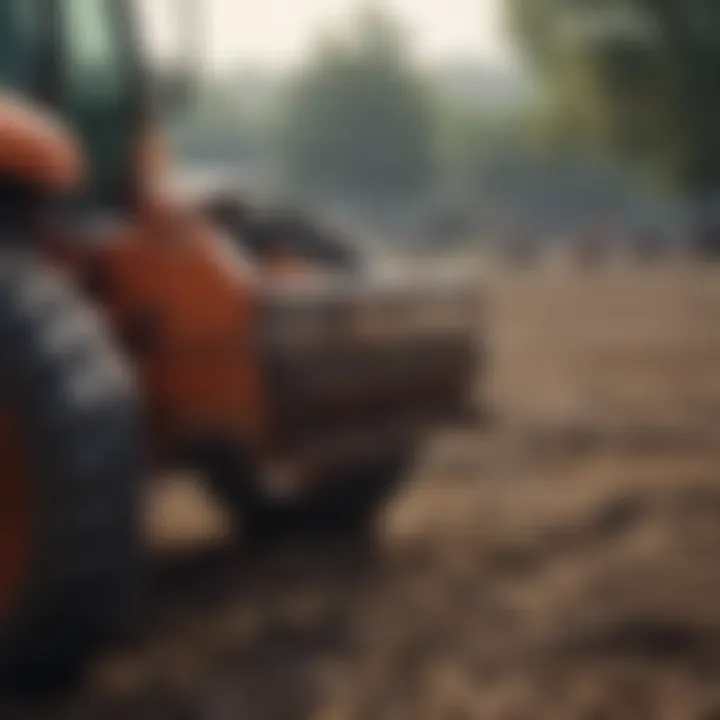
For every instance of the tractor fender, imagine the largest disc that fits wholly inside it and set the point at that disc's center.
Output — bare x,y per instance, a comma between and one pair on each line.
35,148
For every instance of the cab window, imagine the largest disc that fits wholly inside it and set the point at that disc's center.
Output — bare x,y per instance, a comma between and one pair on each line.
20,44
98,96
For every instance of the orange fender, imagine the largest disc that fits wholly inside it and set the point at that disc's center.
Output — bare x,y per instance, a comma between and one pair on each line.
35,148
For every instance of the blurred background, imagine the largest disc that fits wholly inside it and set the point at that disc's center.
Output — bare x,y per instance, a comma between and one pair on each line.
464,121
562,562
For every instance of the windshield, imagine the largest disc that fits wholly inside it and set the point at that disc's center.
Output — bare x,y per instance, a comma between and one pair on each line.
20,37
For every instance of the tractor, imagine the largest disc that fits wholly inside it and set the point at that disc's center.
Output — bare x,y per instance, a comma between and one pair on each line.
137,336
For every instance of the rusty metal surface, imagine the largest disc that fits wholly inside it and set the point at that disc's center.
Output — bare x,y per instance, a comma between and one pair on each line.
359,366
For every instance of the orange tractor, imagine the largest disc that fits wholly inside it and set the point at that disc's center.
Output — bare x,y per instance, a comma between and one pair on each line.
137,336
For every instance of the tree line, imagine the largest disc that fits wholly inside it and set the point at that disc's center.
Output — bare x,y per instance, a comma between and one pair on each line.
360,123
637,79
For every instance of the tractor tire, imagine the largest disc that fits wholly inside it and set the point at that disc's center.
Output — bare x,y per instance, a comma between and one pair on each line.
343,506
72,402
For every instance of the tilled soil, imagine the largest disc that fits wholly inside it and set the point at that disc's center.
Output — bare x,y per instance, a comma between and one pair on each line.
563,564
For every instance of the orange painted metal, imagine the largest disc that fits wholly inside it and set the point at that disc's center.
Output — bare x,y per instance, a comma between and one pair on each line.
15,514
181,301
35,147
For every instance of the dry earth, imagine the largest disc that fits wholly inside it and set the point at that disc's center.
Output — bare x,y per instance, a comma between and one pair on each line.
565,565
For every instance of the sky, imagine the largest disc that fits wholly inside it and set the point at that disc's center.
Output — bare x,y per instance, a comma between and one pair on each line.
280,32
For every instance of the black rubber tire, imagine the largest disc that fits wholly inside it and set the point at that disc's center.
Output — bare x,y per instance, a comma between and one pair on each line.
345,505
62,379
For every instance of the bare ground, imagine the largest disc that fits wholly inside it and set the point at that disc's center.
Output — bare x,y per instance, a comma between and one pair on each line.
565,565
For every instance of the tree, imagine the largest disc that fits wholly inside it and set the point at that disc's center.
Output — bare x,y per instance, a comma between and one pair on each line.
227,122
358,121
638,77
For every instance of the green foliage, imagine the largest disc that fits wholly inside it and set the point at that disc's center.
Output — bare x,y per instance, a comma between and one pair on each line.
358,121
638,77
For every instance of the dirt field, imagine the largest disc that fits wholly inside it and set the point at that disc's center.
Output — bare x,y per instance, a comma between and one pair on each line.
565,565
